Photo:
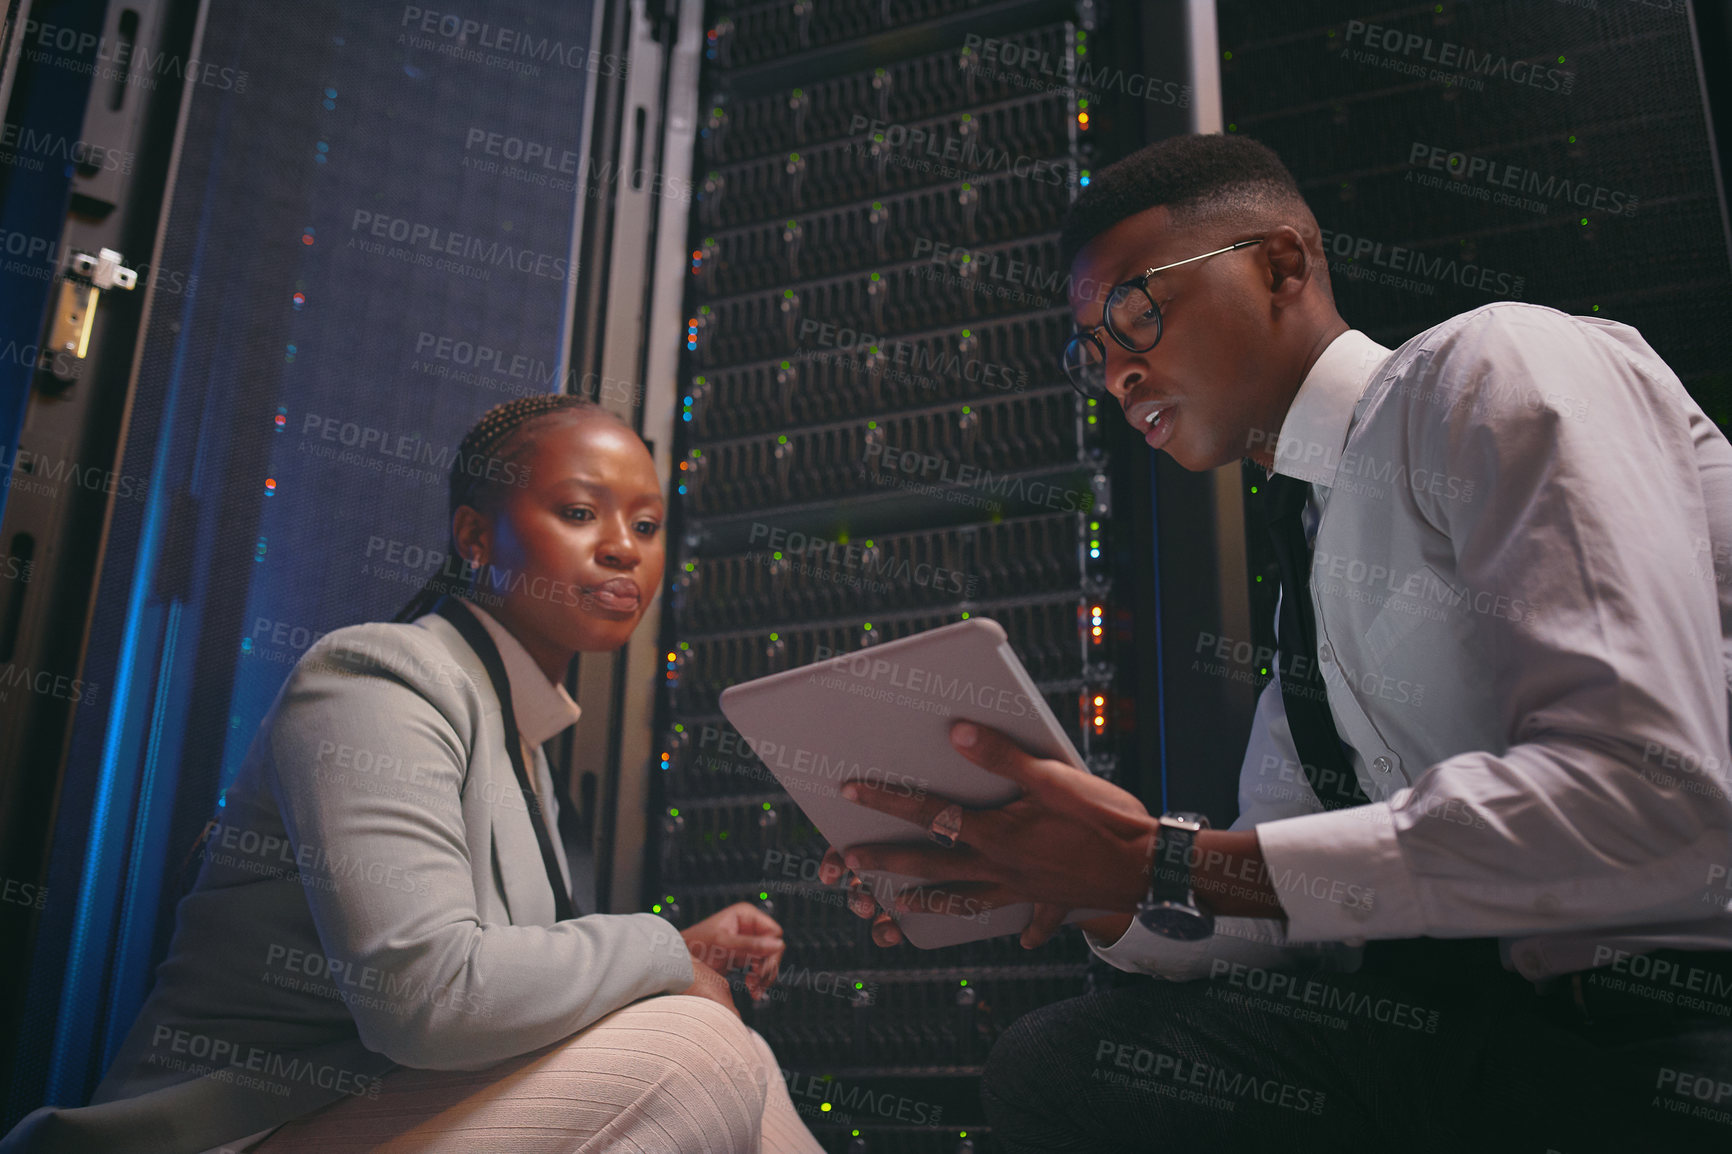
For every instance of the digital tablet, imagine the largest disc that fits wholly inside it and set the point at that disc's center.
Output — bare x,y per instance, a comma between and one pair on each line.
883,715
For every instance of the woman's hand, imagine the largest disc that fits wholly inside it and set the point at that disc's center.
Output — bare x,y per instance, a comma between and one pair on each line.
711,985
739,937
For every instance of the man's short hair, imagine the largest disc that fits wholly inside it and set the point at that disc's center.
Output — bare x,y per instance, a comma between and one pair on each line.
1197,177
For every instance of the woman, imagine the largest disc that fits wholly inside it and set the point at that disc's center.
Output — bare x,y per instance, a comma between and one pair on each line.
379,952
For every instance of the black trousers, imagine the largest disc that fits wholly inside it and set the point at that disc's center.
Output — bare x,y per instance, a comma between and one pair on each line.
1430,1046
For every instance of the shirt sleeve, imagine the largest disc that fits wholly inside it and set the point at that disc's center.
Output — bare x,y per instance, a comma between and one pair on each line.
1593,511
458,993
1271,786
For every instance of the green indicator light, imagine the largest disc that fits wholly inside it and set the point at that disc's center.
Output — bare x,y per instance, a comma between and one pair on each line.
785,365
655,909
859,985
670,897
763,896
766,805
965,617
773,637
963,982
782,439
1093,525
673,813
679,728
871,424
1253,488
1226,56
1082,104
965,408
777,556
869,626
1093,418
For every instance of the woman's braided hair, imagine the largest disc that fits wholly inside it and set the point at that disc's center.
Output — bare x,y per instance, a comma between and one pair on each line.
484,443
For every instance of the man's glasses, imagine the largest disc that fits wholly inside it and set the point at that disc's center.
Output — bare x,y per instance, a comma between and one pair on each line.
1132,318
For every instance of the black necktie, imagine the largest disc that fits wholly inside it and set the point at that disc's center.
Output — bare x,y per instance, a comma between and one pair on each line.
1327,769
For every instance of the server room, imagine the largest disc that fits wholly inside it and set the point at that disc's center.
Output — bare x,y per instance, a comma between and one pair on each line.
865,576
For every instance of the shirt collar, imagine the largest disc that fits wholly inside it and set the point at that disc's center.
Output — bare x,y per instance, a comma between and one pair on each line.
1315,429
542,708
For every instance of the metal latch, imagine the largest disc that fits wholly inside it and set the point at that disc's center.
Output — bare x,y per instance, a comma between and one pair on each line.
85,280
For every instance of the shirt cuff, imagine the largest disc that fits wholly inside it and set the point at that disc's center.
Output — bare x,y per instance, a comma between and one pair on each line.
1139,950
1340,875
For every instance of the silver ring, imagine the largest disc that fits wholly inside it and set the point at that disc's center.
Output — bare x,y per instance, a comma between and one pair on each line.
946,827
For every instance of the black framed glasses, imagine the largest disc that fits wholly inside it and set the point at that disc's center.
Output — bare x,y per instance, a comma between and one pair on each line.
1132,318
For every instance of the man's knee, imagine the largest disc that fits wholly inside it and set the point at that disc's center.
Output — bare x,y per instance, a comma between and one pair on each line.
1020,1070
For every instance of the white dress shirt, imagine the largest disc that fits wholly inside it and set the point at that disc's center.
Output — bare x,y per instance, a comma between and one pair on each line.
1522,578
542,709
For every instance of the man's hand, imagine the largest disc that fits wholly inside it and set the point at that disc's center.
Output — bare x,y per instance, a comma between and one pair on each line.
741,936
1071,841
711,985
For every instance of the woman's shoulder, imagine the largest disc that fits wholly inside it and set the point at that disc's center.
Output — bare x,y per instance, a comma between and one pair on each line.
420,654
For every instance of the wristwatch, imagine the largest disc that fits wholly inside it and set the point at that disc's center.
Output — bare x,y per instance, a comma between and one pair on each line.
1170,909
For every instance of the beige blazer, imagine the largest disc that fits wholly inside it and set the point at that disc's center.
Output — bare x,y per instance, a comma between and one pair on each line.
371,896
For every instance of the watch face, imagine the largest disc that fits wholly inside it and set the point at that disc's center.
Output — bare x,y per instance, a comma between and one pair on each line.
1172,920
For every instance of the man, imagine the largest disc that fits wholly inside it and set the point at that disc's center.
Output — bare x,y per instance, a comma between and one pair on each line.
1477,889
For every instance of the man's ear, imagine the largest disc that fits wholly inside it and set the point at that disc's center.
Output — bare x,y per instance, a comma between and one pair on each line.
1290,265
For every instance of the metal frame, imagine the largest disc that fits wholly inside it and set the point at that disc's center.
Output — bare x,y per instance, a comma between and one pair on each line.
615,738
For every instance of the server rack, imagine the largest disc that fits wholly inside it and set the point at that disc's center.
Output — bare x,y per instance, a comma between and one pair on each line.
874,439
